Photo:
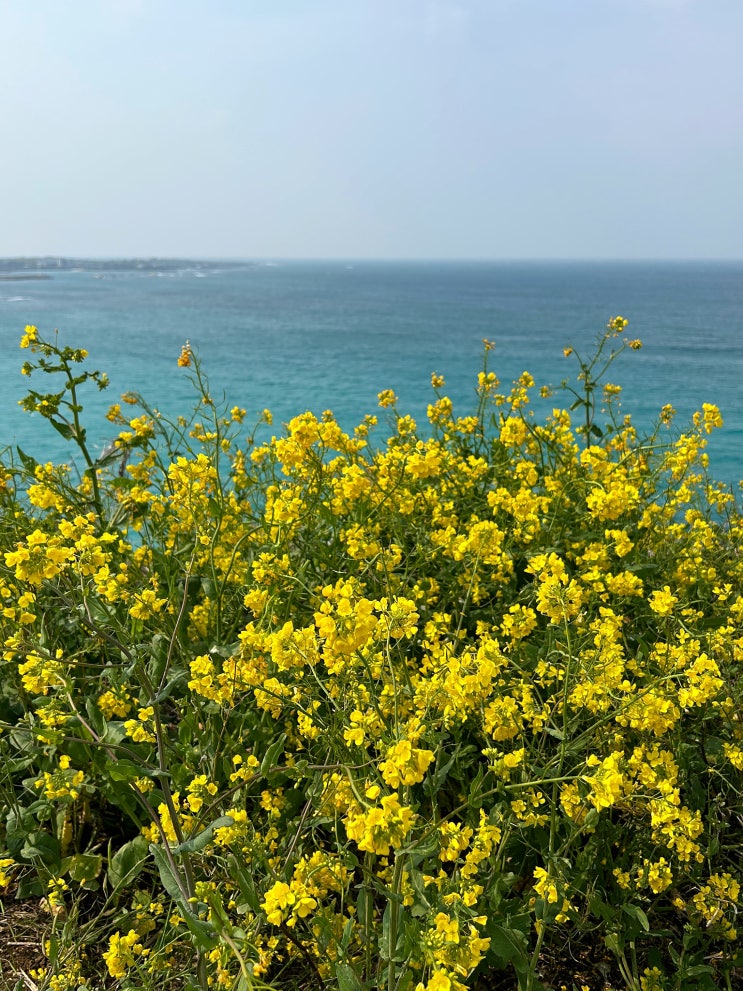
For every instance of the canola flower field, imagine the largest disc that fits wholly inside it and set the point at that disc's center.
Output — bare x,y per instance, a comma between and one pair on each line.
406,708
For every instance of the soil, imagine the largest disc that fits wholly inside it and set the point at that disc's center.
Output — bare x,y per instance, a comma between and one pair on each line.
23,927
569,967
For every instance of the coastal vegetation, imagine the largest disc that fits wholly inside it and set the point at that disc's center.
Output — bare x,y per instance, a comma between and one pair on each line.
412,707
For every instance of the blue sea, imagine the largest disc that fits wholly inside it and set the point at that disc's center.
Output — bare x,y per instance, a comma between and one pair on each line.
291,336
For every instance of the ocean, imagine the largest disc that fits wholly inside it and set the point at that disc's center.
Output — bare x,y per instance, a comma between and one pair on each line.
291,336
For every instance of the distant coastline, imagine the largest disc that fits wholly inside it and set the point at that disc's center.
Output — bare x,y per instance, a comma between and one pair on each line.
25,277
295,336
39,268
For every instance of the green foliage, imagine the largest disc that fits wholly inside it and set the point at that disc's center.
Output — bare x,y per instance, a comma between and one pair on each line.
307,711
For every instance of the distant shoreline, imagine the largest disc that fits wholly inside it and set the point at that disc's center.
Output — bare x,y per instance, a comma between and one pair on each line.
24,277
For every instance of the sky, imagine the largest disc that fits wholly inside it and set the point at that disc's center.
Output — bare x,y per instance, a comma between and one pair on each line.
448,129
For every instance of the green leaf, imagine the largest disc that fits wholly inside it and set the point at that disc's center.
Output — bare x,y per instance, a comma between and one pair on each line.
507,943
637,913
109,457
120,483
124,770
29,463
419,851
159,647
347,934
18,765
94,609
554,732
220,650
474,798
204,933
714,749
421,905
128,862
599,907
613,943
114,733
699,970
246,884
82,867
178,678
441,773
347,979
63,428
43,846
384,943
29,887
203,838
272,753
168,878
95,717
18,825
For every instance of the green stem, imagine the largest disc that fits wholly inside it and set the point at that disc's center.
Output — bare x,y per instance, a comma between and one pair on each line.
79,436
369,909
394,904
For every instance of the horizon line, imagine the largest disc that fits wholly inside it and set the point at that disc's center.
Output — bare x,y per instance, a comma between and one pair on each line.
253,259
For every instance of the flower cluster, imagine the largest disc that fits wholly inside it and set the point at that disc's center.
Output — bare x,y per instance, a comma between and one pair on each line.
382,716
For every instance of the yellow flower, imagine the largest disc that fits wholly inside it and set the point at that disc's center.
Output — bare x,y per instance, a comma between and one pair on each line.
146,605
712,417
112,704
387,398
30,336
121,953
141,730
617,324
184,359
279,899
455,839
439,982
199,790
381,827
544,886
659,875
662,602
6,866
405,764
652,979
39,674
607,785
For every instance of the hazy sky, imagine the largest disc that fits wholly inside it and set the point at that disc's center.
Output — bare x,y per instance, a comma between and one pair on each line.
372,128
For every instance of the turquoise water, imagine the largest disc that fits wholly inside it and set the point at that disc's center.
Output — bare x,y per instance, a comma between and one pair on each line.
301,335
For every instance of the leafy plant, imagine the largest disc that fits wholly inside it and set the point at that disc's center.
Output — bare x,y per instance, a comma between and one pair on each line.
306,709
